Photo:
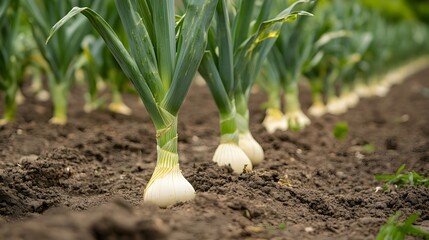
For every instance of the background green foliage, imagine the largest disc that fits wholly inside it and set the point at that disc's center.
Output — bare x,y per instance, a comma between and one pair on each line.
401,9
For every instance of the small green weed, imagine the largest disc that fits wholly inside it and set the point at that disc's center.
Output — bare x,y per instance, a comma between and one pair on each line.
275,228
396,230
368,148
282,226
402,179
340,130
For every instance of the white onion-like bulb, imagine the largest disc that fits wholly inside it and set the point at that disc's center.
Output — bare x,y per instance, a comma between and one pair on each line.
251,148
119,107
336,106
43,95
87,108
58,120
3,122
351,99
274,120
318,109
19,98
169,189
231,154
380,89
363,91
297,120
394,77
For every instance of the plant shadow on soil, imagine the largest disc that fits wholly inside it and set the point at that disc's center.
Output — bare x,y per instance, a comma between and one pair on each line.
85,180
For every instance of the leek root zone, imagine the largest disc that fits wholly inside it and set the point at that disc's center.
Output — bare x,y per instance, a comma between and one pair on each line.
67,180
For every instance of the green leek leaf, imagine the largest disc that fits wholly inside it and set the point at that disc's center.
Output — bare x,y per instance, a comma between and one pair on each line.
141,47
191,45
210,73
165,44
225,46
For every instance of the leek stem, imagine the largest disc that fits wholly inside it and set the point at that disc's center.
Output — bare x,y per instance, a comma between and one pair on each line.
10,103
292,97
316,85
116,96
317,98
59,98
242,117
167,155
273,99
228,126
330,93
167,184
166,136
346,88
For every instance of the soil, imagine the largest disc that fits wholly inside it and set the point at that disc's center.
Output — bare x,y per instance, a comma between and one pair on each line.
85,180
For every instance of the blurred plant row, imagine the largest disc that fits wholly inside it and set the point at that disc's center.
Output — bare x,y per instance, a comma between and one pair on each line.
345,51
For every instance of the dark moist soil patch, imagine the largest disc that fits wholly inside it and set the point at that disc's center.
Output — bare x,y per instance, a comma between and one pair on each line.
85,180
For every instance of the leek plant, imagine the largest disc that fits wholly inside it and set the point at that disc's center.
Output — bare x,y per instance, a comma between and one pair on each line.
287,59
236,50
14,54
35,72
251,63
269,80
99,67
161,63
356,48
89,66
117,82
62,54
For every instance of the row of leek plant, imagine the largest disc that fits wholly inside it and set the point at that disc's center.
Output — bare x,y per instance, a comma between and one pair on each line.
162,59
228,43
61,55
335,49
392,55
373,55
14,56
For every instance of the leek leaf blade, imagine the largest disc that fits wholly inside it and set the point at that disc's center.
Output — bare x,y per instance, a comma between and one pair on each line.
212,77
226,65
191,44
249,57
141,46
165,38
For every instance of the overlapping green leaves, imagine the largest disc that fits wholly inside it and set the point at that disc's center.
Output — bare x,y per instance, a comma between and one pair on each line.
161,73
